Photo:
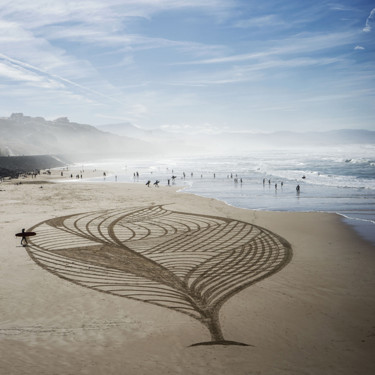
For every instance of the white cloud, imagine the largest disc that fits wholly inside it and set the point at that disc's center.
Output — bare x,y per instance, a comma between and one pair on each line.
369,21
21,71
359,48
18,73
303,43
270,20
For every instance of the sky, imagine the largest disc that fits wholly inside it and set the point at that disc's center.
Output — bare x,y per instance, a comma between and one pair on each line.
191,65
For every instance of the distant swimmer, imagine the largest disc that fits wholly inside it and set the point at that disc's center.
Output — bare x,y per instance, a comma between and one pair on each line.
298,188
303,176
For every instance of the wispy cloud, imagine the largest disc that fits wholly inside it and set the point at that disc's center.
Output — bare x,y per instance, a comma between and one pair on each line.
298,44
270,20
11,72
21,71
369,21
251,72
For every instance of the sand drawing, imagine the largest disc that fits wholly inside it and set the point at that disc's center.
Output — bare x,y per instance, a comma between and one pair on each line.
186,262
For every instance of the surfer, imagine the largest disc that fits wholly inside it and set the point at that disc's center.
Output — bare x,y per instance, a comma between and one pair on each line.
23,239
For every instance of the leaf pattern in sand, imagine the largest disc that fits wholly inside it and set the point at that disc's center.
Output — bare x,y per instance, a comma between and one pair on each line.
186,262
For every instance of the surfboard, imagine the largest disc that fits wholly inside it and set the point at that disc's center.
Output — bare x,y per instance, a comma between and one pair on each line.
25,234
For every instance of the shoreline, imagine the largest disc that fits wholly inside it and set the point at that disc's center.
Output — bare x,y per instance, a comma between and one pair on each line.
366,233
298,320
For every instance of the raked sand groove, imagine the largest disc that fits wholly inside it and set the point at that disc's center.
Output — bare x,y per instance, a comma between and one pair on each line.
185,262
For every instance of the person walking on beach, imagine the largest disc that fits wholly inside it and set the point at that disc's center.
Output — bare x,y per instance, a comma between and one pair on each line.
148,183
23,239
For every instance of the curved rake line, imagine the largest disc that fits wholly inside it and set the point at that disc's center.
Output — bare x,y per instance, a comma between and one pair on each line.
215,287
145,289
204,265
207,244
81,233
182,220
195,285
237,257
229,238
147,213
92,234
64,227
102,218
129,238
115,222
187,242
287,259
105,229
152,233
220,289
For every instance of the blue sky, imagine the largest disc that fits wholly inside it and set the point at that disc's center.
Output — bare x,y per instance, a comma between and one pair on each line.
191,65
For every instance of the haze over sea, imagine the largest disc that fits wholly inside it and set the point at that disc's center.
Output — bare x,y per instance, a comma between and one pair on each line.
339,179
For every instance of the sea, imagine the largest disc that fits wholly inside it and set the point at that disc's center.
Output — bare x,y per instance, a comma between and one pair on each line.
335,179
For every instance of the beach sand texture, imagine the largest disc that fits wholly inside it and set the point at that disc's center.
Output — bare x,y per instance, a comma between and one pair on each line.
122,278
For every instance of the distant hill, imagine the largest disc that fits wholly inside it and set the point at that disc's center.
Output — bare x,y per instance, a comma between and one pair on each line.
234,142
165,142
25,135
129,130
12,166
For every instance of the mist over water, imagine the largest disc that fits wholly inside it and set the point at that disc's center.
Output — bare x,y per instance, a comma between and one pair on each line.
338,180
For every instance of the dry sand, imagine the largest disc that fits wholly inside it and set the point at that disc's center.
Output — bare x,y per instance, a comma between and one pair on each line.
315,316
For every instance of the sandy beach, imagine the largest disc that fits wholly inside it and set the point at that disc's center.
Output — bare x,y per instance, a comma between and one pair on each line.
312,311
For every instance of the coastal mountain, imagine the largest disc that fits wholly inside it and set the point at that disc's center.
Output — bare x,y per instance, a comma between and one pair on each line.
25,135
165,142
234,142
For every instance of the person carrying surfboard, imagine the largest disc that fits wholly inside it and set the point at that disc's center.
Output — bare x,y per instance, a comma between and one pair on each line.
24,236
24,239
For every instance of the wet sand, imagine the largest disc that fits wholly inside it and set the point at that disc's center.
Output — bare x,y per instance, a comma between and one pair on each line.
312,312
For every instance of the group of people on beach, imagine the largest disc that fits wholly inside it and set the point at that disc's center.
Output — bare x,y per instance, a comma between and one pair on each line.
235,178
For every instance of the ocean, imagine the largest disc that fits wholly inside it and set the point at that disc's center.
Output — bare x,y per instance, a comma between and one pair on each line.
337,179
